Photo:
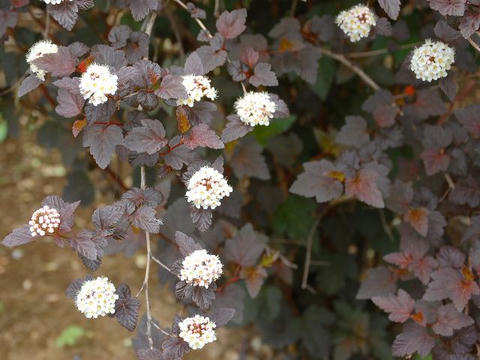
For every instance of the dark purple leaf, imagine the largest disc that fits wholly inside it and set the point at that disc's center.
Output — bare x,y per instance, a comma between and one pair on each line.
92,265
118,36
69,104
399,307
354,132
445,32
413,339
65,13
145,218
149,138
102,141
435,161
186,244
83,244
469,117
391,7
31,82
449,7
364,187
380,281
126,308
470,22
171,87
234,129
61,63
248,161
106,55
321,179
221,316
150,354
211,57
201,218
202,136
193,65
231,24
449,319
174,348
263,76
141,8
246,247
449,87
17,237
383,27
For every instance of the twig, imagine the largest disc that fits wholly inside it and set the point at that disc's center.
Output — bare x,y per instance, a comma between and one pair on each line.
162,265
14,86
161,330
116,178
362,54
47,25
386,227
342,59
308,256
451,187
171,18
474,44
147,268
293,8
199,22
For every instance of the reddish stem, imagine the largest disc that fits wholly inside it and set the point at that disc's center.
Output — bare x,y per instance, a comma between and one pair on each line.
171,148
234,279
108,123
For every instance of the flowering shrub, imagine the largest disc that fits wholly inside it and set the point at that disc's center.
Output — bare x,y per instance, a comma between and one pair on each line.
287,168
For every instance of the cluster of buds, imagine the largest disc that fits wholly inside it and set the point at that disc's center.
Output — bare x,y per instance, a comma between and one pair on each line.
201,268
197,87
44,221
207,187
96,298
356,22
432,60
37,51
96,83
197,331
255,108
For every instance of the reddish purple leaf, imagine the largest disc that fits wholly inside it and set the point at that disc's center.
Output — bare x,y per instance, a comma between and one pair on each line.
61,63
391,7
126,308
380,281
246,247
363,186
17,237
231,24
470,22
413,339
31,82
449,319
449,7
354,132
418,218
263,76
149,138
202,136
102,141
469,117
435,161
234,129
69,104
398,306
248,161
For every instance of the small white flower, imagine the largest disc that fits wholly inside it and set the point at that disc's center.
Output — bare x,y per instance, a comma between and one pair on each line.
432,60
207,187
38,50
96,298
255,108
201,269
54,2
356,22
96,83
44,221
197,87
197,331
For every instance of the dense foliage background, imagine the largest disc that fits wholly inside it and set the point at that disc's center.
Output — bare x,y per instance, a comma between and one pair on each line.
364,186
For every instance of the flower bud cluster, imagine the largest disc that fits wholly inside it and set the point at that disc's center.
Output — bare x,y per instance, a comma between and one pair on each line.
255,108
197,87
96,83
201,268
356,22
37,50
96,298
44,220
197,331
432,60
207,187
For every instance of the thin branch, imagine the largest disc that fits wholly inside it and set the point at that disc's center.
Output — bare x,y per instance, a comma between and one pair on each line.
171,18
386,227
147,268
342,59
162,265
362,54
199,22
116,178
308,255
161,330
474,44
47,25
293,8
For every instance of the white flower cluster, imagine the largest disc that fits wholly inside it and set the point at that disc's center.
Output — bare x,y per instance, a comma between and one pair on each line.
255,108
44,220
37,50
197,331
96,298
356,22
197,86
54,2
96,83
207,187
432,60
201,269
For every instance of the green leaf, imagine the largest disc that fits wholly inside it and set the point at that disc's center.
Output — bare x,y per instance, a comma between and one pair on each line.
294,217
428,357
3,129
274,301
325,77
276,127
70,336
